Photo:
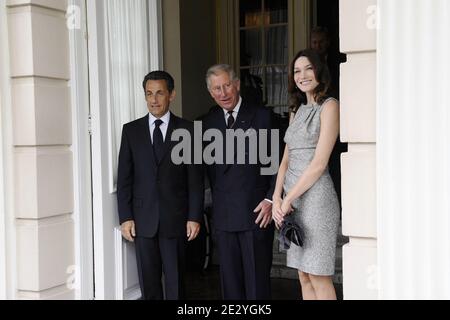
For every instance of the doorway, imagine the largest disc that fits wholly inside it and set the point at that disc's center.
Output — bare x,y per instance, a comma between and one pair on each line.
244,30
124,43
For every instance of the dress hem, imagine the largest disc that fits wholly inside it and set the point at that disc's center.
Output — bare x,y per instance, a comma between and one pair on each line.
305,270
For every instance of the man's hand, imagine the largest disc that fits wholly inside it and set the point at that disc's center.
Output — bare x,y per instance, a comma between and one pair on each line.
128,230
264,210
192,230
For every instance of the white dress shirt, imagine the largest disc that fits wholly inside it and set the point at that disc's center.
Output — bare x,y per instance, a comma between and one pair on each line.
235,111
163,127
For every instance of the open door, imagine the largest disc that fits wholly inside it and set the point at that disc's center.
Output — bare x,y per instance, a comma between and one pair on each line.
120,55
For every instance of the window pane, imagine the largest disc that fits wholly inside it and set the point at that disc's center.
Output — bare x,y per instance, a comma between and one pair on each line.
252,84
251,47
250,13
277,10
277,45
277,86
127,39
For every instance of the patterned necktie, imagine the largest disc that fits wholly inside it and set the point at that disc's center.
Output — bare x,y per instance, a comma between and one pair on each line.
230,120
158,140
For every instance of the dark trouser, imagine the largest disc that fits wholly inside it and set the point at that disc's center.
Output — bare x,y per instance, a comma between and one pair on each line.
158,255
245,261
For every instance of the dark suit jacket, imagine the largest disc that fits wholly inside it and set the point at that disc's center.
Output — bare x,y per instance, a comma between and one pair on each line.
238,189
162,197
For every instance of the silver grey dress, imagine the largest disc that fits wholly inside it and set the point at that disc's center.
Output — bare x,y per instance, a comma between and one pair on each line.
317,210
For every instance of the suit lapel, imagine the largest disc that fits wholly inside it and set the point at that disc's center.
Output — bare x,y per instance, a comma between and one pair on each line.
173,124
219,120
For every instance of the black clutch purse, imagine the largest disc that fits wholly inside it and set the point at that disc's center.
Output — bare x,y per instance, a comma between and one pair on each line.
290,232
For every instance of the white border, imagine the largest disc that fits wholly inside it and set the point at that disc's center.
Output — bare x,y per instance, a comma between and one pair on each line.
8,274
79,85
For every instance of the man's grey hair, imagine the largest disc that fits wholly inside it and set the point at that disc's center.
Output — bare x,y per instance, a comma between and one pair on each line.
215,70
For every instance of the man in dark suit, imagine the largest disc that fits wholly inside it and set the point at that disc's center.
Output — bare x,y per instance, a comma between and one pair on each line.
241,195
160,203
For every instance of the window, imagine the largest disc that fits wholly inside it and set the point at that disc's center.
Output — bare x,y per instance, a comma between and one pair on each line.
264,52
128,63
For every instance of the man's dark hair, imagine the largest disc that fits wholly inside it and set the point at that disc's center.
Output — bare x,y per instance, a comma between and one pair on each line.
160,75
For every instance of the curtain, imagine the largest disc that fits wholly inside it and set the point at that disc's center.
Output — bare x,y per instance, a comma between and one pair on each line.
128,52
413,149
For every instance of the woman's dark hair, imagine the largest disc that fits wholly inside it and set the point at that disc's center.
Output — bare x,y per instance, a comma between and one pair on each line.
160,75
297,97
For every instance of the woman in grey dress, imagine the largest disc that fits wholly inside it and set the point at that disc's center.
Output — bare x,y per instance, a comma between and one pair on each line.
304,187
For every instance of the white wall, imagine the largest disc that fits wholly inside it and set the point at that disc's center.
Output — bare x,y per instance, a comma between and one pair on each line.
42,182
413,142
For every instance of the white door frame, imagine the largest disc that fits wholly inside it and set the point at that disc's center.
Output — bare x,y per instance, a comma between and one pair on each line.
79,85
96,161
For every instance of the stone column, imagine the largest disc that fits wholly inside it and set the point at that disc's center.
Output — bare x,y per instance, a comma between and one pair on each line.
358,123
43,187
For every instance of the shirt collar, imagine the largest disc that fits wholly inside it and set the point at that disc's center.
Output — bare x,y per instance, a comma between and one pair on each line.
236,109
165,118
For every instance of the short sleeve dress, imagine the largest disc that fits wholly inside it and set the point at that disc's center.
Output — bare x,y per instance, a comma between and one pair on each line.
317,211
